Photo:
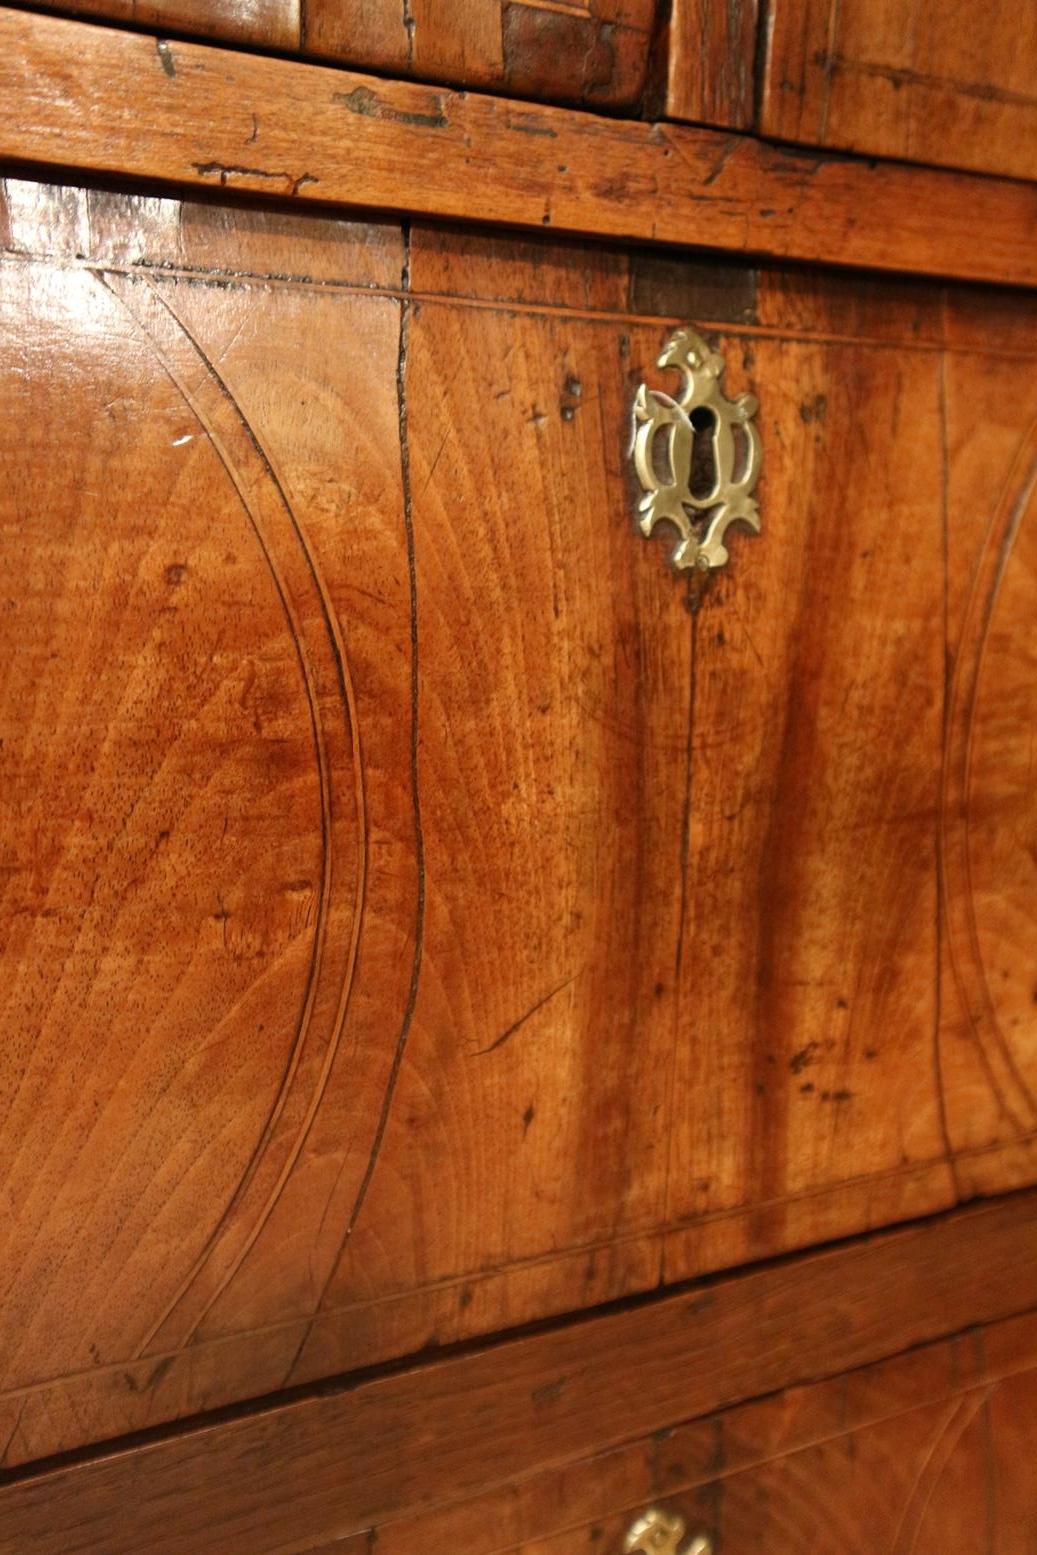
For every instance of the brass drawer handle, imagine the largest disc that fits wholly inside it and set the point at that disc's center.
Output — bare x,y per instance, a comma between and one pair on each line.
697,457
660,1533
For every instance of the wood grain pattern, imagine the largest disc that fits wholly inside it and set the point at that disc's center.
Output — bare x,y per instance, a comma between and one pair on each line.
484,1424
196,704
710,62
590,52
809,948
104,101
587,52
925,1481
988,814
937,84
187,971
273,24
574,735
636,958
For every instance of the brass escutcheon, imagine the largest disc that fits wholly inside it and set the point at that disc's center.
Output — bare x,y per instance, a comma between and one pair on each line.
659,1533
665,432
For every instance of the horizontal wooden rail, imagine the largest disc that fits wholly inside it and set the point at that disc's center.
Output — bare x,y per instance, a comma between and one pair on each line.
287,1478
100,100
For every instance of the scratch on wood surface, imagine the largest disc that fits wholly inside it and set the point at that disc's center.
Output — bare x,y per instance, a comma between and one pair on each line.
14,1431
518,1024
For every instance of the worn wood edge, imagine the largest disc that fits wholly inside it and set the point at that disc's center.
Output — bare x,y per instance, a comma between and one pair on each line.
389,1445
103,100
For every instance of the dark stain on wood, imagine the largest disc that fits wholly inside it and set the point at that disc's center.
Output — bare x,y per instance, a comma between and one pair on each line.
362,100
581,59
690,287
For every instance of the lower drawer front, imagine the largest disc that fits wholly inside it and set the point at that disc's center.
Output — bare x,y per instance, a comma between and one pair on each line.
424,912
916,1454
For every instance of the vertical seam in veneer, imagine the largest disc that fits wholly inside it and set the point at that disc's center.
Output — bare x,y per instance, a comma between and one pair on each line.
761,65
989,1476
419,844
941,1098
409,27
830,55
685,852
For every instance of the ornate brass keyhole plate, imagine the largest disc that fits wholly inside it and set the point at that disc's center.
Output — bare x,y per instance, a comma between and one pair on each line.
660,1533
668,436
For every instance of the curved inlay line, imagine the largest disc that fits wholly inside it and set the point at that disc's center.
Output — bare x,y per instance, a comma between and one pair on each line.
347,691
116,291
944,1443
177,350
970,973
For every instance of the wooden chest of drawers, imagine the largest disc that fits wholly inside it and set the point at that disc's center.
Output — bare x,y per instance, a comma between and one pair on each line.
426,912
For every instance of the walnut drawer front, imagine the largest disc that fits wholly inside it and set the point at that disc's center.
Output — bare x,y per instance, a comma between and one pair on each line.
426,913
589,52
920,1452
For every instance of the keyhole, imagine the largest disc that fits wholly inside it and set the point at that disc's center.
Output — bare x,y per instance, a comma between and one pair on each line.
703,455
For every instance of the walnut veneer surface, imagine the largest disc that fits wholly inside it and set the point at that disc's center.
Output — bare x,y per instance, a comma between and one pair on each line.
422,914
945,84
498,1033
